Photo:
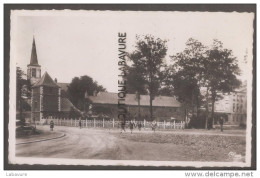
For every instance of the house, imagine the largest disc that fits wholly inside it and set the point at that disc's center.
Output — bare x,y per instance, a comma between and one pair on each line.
164,107
232,106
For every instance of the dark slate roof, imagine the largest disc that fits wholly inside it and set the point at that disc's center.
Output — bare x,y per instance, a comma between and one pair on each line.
46,80
66,104
34,59
63,86
112,98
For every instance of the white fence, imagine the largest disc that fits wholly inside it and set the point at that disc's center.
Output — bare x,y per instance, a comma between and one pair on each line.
94,123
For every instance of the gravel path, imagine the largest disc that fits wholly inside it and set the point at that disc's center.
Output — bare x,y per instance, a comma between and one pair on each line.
104,144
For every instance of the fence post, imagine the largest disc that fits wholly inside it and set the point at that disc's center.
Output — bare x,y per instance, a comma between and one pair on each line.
86,122
75,122
174,123
144,123
103,123
94,122
71,122
113,122
164,124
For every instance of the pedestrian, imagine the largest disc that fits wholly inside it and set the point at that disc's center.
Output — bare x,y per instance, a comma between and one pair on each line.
221,122
154,124
51,125
80,123
122,126
132,125
110,124
139,125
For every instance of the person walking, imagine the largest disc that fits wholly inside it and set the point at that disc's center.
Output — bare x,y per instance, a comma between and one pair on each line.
110,124
154,124
139,125
131,125
80,123
221,122
51,125
122,126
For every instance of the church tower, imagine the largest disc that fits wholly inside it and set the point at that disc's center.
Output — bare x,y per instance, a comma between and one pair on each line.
33,69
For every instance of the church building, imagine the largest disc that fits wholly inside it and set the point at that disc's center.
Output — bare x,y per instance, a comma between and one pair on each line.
46,94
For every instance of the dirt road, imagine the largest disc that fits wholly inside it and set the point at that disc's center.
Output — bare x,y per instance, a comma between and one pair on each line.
104,144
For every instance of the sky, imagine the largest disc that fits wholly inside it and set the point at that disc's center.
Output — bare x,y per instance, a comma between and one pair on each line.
76,43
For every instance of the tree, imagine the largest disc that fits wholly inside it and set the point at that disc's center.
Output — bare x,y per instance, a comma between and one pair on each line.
135,84
135,80
79,86
21,91
187,74
221,70
148,59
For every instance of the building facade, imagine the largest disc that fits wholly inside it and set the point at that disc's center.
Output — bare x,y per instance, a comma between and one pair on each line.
164,107
233,106
45,98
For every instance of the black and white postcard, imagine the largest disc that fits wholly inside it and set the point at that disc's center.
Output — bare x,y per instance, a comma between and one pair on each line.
131,88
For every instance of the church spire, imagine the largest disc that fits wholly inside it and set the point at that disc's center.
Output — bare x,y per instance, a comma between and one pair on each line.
33,69
34,59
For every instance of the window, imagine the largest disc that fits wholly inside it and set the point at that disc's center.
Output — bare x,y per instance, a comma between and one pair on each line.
33,72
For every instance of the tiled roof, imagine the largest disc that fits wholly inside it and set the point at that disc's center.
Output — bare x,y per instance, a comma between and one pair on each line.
66,104
112,98
46,80
34,59
63,86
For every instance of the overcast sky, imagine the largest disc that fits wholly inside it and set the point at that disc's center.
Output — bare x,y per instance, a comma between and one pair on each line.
76,43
